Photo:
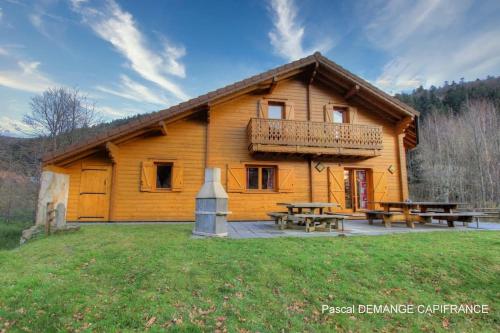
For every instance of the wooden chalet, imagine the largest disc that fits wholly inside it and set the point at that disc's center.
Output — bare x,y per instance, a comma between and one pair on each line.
303,132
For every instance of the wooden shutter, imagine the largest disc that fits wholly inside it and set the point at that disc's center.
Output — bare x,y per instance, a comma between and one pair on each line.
147,176
353,115
286,179
328,109
336,190
262,109
177,176
289,111
236,178
379,186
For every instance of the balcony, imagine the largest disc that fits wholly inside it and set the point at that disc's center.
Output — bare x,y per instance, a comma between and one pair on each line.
315,138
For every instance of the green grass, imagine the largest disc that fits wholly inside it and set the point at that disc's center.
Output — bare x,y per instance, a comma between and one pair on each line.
117,278
10,233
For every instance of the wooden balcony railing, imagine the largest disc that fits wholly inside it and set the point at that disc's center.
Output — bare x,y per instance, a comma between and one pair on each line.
314,134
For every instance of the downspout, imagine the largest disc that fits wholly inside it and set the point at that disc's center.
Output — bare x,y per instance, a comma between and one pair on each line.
207,139
309,109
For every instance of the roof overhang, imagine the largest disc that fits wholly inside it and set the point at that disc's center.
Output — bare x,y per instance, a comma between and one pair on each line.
322,69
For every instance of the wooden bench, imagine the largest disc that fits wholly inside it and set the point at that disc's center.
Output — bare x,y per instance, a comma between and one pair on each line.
490,214
464,217
340,218
386,217
280,218
321,222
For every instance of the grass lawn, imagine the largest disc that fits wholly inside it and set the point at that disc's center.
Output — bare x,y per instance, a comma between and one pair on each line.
132,278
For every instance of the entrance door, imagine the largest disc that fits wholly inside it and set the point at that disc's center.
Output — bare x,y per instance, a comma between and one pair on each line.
93,202
356,189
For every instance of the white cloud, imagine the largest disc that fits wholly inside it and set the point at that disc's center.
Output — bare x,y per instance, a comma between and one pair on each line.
135,91
13,127
1,14
288,34
3,51
111,112
431,41
27,78
119,28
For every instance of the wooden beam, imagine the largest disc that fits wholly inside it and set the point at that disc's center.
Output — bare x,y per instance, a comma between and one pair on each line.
163,128
403,125
353,91
83,154
114,151
55,168
403,174
313,74
311,183
274,84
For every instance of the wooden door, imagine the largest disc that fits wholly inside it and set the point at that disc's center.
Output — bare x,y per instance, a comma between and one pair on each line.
336,191
379,187
95,184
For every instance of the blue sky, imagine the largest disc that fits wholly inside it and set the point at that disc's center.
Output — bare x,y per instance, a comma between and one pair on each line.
139,56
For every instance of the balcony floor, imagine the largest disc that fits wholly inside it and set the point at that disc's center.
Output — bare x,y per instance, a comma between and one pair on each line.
305,150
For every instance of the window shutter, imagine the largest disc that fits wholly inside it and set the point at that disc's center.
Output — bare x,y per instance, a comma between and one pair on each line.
147,176
353,115
262,108
236,178
336,190
328,108
379,186
286,178
289,111
177,176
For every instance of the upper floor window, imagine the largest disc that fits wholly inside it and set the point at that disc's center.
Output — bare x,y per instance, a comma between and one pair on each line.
339,116
276,110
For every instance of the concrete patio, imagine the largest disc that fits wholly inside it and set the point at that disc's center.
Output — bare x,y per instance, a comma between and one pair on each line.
267,229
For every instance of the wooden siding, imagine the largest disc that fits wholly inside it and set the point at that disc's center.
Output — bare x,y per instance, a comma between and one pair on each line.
228,145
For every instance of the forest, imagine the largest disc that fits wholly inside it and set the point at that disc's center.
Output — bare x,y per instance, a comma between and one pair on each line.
457,157
458,154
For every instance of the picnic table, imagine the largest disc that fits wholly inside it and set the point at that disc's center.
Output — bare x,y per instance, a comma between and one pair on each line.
309,216
414,211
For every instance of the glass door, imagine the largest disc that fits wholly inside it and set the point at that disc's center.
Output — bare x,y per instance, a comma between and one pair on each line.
361,190
356,189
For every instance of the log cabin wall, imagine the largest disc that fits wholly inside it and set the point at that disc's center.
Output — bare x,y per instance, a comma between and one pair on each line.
228,146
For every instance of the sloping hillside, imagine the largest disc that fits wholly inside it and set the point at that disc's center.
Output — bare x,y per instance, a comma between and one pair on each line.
156,277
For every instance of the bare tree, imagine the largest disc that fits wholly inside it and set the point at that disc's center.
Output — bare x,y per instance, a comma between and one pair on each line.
458,156
58,112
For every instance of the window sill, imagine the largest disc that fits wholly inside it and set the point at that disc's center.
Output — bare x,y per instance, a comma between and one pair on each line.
165,190
260,192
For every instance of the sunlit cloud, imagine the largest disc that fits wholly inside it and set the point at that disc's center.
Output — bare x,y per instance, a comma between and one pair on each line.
13,127
287,36
135,91
119,28
26,77
434,46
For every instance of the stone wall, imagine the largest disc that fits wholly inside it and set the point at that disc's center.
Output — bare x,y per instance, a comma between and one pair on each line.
54,188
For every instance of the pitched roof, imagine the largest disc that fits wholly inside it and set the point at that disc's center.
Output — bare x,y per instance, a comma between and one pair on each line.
153,118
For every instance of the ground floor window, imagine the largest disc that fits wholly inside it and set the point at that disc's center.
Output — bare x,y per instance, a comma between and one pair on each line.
261,177
164,175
